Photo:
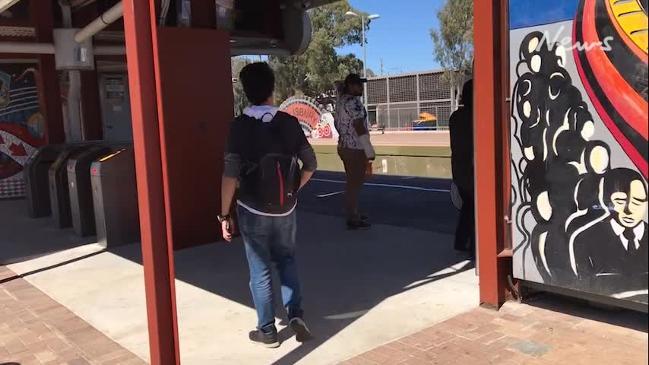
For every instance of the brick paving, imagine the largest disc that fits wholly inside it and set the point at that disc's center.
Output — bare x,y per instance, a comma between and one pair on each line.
34,329
521,334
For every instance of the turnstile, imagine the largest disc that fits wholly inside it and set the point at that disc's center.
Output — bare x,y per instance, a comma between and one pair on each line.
81,206
36,180
114,192
58,184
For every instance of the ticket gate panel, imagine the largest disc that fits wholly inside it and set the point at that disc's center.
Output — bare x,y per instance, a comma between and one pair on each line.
37,180
114,192
80,190
58,185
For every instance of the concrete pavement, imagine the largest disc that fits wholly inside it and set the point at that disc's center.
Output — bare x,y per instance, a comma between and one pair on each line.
361,289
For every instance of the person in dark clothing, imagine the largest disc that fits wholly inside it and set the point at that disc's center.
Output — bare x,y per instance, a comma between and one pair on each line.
261,158
461,128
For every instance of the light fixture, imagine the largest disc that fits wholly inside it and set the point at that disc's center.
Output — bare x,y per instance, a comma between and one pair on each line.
351,13
6,4
373,16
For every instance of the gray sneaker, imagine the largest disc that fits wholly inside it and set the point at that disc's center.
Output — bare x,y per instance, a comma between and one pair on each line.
268,339
302,332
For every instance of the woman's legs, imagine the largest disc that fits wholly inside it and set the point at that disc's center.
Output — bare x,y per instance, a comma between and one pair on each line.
355,168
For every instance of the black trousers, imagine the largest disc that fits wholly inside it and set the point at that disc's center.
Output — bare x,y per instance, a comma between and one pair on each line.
465,231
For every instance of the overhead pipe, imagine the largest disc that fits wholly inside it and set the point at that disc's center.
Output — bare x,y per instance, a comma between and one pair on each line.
6,4
48,48
104,20
27,48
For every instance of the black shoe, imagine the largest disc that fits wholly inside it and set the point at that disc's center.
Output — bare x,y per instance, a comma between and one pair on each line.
266,339
358,225
298,326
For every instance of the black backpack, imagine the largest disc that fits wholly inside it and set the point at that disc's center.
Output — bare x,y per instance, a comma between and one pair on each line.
270,174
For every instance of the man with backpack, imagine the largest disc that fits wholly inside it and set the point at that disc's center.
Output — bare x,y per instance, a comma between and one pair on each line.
261,159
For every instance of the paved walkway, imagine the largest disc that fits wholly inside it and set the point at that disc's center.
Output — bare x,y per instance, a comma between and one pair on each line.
34,329
547,332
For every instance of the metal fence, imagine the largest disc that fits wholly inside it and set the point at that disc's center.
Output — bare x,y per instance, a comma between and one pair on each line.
397,102
406,117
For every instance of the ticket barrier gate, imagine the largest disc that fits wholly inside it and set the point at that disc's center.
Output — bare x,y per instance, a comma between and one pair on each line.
58,184
81,206
114,192
37,180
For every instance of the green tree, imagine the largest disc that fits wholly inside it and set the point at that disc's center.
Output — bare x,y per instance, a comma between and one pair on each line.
453,41
240,101
314,72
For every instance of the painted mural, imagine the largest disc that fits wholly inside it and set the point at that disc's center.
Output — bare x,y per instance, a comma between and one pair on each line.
316,122
21,124
579,144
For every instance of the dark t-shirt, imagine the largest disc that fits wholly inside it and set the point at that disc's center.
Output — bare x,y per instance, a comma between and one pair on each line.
461,129
251,139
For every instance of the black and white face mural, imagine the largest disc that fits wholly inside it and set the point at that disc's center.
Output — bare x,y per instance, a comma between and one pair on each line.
579,198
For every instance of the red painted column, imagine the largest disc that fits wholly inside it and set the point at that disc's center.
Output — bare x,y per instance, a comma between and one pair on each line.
490,63
157,253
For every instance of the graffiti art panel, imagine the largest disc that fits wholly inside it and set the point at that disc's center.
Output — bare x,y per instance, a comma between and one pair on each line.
21,124
579,146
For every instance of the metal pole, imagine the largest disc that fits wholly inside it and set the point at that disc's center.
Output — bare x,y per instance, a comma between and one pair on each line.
364,59
103,21
364,47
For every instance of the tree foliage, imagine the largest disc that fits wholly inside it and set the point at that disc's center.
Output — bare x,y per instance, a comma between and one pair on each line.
314,72
453,40
240,101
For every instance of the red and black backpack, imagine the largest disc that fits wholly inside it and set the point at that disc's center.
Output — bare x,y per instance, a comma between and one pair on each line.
270,174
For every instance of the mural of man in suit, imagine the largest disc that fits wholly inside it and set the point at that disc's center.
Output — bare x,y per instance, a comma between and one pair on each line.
611,256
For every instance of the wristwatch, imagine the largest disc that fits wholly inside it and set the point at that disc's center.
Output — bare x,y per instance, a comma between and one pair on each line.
223,218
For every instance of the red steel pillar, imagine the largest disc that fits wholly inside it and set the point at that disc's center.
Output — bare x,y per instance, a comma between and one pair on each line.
490,166
157,252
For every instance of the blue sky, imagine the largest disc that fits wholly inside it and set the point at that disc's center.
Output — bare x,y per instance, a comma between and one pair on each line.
527,13
401,37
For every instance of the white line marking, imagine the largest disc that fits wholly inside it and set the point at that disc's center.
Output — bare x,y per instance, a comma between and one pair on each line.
406,187
330,194
349,315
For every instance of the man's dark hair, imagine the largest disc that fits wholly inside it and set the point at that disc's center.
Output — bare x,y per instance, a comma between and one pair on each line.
258,81
619,180
467,94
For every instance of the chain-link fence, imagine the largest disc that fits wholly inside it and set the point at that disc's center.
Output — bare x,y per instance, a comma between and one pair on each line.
409,117
410,102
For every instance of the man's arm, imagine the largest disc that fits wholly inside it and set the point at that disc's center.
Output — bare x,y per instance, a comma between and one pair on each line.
229,181
231,173
309,165
356,110
307,155
360,126
228,188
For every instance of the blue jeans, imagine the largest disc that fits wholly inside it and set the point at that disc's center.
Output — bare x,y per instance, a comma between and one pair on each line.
271,240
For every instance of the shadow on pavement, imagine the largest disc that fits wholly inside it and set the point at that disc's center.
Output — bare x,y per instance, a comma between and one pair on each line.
24,238
580,308
344,274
